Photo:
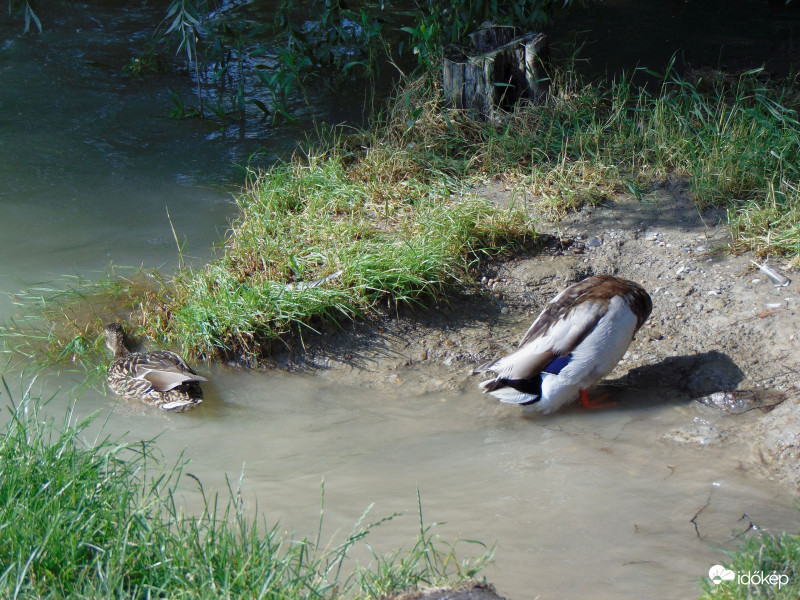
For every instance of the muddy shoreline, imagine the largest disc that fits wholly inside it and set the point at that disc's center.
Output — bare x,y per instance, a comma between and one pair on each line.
721,337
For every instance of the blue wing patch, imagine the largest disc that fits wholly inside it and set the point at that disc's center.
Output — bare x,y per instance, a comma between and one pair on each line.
557,364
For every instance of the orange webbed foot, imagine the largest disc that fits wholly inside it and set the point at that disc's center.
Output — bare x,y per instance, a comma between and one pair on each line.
595,403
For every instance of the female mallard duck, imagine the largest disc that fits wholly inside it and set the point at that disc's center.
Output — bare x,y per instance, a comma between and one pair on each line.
160,377
577,340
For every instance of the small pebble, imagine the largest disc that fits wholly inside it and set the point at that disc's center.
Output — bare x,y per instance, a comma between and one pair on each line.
716,303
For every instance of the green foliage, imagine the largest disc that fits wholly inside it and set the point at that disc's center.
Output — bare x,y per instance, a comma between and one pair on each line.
438,23
23,7
103,518
183,22
179,109
61,324
149,61
267,65
238,61
338,44
764,554
226,48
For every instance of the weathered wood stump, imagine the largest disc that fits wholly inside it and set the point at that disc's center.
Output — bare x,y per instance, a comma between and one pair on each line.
494,69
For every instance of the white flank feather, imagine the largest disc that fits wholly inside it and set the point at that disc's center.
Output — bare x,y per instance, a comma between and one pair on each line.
180,404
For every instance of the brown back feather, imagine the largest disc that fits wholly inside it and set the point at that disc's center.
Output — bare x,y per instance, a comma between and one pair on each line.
592,289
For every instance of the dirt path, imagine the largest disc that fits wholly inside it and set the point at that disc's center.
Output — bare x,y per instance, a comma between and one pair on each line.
720,334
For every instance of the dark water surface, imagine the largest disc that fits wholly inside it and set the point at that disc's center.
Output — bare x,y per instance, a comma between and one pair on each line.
90,163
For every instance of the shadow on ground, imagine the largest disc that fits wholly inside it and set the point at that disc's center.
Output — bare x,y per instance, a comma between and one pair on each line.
676,378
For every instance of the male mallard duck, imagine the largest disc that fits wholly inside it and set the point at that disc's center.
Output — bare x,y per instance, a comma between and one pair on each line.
577,340
160,377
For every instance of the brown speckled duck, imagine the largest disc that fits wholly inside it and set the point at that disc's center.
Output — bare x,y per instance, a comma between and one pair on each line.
160,378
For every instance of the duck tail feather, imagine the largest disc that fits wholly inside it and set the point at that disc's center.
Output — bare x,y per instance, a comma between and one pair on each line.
489,385
511,396
500,389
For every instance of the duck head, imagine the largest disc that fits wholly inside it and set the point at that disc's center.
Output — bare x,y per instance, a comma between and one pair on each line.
115,339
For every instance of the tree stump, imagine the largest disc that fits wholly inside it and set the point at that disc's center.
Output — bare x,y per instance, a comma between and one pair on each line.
495,69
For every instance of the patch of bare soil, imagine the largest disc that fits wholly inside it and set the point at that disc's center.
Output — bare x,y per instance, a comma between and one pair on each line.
722,337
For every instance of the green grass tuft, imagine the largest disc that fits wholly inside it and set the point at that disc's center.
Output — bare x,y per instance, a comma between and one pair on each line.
61,323
375,239
765,555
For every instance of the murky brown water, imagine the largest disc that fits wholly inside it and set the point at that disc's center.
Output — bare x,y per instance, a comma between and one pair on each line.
580,504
